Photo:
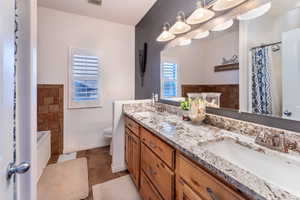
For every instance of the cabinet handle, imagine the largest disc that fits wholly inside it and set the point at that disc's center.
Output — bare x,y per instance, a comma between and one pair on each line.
135,142
211,194
152,145
152,172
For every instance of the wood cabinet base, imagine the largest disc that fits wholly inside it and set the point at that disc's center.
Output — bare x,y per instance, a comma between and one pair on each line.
153,166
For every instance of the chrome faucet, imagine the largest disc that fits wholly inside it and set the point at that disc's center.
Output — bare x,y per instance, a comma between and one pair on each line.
154,98
276,142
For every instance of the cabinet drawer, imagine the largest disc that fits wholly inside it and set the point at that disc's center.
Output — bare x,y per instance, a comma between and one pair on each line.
162,150
188,194
147,191
203,183
132,125
158,172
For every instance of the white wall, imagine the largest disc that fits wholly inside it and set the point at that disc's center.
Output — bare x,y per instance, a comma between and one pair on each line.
57,32
196,62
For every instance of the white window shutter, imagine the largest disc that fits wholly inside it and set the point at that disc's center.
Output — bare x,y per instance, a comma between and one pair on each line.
169,79
84,80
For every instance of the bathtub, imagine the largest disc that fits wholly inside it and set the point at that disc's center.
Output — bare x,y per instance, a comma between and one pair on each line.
43,151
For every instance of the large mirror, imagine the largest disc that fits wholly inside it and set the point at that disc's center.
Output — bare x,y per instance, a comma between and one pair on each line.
253,66
271,48
209,65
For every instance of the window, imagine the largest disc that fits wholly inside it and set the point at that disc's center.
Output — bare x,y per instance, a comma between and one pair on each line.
169,79
84,80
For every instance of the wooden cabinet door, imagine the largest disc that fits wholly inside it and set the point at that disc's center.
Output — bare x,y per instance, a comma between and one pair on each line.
158,172
147,190
135,158
128,150
126,147
186,193
133,126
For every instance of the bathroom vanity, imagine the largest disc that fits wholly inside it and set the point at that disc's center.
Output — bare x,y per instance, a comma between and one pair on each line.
151,163
172,159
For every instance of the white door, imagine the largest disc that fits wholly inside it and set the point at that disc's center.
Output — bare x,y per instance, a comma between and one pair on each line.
12,151
291,74
6,96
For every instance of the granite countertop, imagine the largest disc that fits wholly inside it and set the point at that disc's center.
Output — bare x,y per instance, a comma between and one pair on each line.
191,140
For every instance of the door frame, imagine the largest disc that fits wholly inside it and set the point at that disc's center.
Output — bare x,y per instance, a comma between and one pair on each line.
26,99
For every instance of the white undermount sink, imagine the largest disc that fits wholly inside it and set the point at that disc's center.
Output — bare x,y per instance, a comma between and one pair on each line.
277,170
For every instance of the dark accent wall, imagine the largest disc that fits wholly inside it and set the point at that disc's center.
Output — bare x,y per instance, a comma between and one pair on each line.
147,30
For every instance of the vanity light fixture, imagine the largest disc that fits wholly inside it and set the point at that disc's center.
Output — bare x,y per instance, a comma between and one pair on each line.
201,35
184,41
200,15
165,35
180,26
226,4
223,26
256,12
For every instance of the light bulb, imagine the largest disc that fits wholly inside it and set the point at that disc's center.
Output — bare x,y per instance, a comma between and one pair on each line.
184,41
200,15
165,35
201,35
223,26
180,26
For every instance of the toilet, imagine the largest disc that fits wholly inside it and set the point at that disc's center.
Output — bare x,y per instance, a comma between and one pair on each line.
107,133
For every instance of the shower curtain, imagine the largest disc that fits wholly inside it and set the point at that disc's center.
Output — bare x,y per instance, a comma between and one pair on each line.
261,81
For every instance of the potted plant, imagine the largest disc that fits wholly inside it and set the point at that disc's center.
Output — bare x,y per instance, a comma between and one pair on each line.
185,106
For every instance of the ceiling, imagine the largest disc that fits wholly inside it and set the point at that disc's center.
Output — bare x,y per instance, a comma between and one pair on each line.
128,12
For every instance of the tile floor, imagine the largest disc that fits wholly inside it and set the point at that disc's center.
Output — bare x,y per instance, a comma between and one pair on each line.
99,166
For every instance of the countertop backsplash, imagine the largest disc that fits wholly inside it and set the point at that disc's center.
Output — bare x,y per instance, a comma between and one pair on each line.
229,124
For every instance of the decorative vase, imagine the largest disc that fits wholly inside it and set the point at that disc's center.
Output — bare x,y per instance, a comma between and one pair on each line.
197,111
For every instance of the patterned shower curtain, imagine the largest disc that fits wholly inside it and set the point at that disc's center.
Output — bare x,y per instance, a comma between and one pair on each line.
261,81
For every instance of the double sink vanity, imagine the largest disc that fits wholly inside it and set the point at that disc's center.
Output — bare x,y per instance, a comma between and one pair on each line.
169,158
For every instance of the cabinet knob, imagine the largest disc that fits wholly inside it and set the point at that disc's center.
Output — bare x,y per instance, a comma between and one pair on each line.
152,145
211,194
